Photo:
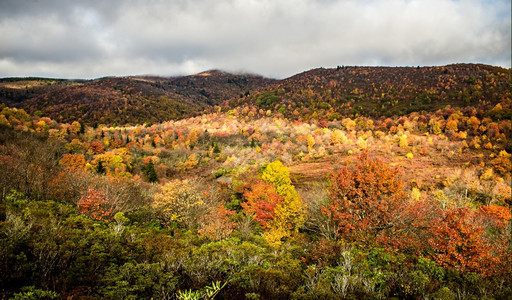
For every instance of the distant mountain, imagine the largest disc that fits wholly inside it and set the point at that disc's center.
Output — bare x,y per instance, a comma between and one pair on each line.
315,94
382,91
121,100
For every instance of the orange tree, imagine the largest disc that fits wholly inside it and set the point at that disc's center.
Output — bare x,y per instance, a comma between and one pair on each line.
365,198
472,241
94,205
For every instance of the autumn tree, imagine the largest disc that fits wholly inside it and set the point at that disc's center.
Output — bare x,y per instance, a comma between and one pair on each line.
96,148
452,125
338,137
275,203
94,205
74,128
192,139
216,225
502,165
364,198
73,162
261,202
311,142
180,201
458,242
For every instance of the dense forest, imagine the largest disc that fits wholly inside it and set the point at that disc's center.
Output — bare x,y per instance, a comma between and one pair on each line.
126,100
346,183
382,91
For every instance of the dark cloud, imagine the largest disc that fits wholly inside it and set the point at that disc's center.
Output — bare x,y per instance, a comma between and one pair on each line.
92,38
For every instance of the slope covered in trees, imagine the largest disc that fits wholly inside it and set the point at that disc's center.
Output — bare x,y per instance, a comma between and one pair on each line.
382,91
321,94
123,100
246,203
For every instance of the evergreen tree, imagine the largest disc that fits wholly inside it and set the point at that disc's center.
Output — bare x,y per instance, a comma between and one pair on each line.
150,173
216,148
100,169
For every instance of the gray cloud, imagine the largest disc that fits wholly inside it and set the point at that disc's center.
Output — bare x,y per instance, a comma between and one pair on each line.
92,38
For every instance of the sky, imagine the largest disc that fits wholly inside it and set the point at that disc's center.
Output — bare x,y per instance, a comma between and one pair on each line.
273,38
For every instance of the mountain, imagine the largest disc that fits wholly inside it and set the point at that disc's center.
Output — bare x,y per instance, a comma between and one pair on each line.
316,94
382,91
121,100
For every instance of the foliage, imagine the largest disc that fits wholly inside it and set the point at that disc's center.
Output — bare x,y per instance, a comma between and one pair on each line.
502,165
261,201
364,199
150,173
125,100
30,292
73,162
138,280
385,91
465,248
217,225
180,201
209,292
275,203
94,205
278,175
78,216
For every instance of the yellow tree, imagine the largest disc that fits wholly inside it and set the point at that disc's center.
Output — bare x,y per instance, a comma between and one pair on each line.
338,137
277,206
311,142
452,125
403,143
192,139
180,201
435,126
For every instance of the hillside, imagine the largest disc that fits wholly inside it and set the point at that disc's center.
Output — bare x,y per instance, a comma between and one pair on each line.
122,100
259,201
382,91
322,94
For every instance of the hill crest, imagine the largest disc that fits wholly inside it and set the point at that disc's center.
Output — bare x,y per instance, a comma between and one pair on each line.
321,93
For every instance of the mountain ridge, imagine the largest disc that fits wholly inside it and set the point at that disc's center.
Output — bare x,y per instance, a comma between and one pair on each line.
381,91
320,93
127,99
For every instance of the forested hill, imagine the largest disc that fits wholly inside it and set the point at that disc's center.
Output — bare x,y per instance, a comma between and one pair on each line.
382,91
246,202
122,100
316,94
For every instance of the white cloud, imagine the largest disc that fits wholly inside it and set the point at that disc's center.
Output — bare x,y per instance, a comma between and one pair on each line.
274,38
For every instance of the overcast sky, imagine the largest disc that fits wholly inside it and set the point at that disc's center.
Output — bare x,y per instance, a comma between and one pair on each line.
94,38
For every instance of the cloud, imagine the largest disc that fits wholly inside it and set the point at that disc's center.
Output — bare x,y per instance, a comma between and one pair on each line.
87,39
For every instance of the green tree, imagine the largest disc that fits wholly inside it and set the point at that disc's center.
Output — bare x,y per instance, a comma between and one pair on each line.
100,168
216,148
150,173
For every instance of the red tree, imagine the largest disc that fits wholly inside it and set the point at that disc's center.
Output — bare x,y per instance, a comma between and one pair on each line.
94,205
364,199
262,199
